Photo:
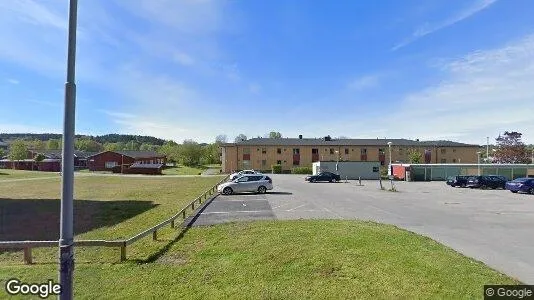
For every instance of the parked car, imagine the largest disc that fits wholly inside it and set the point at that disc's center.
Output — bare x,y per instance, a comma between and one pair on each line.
501,177
525,185
323,176
247,183
485,181
459,180
244,172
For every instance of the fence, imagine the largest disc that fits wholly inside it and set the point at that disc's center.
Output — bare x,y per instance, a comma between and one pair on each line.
27,246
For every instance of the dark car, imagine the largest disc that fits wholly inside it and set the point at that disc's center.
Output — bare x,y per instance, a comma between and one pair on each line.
500,176
525,185
459,180
323,176
485,181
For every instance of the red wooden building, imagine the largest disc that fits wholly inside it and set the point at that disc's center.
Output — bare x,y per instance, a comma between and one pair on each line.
107,160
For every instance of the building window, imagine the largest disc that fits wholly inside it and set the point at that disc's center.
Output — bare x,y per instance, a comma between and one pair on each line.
381,151
246,150
443,151
263,150
443,160
315,151
346,150
278,162
331,150
296,151
110,164
454,160
363,151
453,150
279,150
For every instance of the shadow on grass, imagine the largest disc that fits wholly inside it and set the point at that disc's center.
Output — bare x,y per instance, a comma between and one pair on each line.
188,223
38,219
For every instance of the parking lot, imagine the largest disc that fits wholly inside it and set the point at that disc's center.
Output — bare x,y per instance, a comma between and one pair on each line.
493,226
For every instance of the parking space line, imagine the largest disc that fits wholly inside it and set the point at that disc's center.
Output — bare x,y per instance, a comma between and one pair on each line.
240,200
281,205
237,211
296,207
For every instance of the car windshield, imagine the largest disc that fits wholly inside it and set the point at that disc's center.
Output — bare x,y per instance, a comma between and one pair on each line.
521,180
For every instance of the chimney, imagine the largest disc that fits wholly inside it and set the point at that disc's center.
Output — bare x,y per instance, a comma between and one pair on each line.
300,136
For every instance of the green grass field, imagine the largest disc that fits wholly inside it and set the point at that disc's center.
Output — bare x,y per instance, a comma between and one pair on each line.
8,174
315,259
106,207
185,170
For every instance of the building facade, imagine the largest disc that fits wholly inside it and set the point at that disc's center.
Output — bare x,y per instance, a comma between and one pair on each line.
262,153
107,160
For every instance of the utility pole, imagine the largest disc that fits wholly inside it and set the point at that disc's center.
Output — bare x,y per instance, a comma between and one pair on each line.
66,239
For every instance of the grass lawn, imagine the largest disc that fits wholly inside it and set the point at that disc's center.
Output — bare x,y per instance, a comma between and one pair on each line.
185,170
318,259
8,174
106,207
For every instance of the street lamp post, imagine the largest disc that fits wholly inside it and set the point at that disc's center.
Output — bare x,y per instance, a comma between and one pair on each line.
478,162
487,149
66,235
389,168
337,161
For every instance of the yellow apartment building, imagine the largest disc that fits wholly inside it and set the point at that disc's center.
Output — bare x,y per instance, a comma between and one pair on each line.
262,153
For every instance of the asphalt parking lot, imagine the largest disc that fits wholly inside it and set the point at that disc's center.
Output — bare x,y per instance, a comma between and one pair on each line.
493,226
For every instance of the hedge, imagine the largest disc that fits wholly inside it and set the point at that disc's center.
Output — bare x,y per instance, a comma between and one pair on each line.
301,170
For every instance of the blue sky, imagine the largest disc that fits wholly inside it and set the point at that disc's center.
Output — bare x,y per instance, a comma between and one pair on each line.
460,70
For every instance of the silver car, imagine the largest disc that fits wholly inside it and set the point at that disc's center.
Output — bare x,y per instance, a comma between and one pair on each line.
244,172
247,183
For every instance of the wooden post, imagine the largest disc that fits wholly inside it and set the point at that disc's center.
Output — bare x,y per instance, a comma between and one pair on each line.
123,252
193,205
183,213
28,255
155,235
172,224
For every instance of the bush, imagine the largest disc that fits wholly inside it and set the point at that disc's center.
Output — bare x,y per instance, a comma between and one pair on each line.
277,169
302,170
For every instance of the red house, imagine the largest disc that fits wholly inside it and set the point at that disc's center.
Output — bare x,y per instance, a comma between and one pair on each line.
107,160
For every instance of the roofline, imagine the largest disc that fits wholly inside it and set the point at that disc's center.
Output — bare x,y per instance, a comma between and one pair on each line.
393,145
158,155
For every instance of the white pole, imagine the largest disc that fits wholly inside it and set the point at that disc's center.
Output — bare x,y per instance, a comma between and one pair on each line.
487,149
478,162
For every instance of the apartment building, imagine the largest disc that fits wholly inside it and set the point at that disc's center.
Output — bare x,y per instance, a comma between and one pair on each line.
262,153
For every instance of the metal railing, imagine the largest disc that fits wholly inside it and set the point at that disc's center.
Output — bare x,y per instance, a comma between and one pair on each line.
27,246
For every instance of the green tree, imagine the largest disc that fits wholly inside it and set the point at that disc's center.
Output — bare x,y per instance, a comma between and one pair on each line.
2,153
414,156
275,135
36,145
53,144
147,147
210,154
190,153
39,157
86,144
132,146
18,150
171,150
221,139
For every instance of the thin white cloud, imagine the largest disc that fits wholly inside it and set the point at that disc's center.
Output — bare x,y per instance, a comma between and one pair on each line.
364,82
428,28
115,114
13,81
482,94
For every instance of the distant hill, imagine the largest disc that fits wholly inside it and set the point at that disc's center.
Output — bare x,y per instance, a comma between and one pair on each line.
108,138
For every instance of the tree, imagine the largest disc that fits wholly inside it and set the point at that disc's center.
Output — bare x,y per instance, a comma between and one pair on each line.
510,149
210,154
147,147
2,153
53,144
131,146
221,139
86,144
36,145
275,135
171,150
39,157
18,150
190,153
241,137
414,156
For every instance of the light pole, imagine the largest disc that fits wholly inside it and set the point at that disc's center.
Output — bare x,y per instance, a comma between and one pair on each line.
389,167
337,160
478,162
487,149
66,235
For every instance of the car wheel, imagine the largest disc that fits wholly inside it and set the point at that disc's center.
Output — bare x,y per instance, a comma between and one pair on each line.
513,192
531,190
262,189
462,185
313,180
483,187
333,180
227,191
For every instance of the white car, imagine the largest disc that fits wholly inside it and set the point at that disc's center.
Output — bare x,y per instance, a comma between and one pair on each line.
244,172
257,183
